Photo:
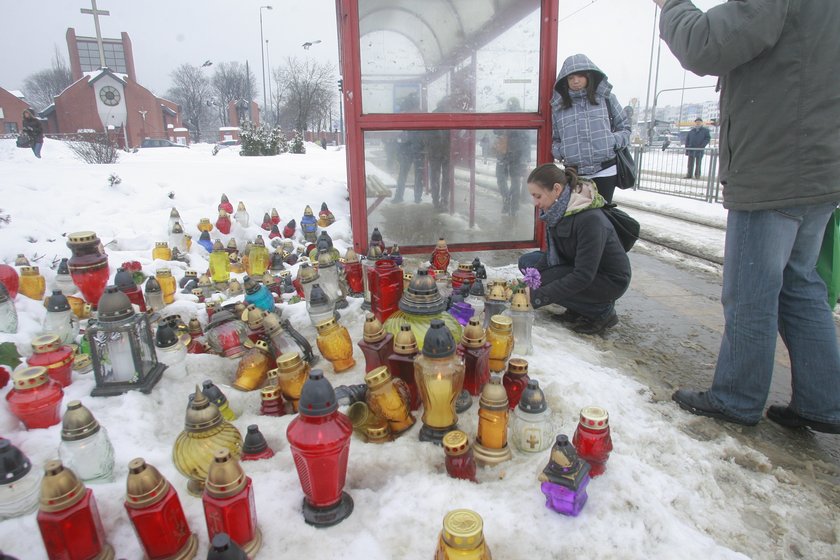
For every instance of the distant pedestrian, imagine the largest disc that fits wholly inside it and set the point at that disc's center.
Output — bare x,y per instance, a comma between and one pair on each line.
666,143
779,165
324,143
410,153
588,123
511,146
34,130
695,143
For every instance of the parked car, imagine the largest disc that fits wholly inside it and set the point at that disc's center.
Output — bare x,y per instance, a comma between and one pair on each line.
160,143
225,144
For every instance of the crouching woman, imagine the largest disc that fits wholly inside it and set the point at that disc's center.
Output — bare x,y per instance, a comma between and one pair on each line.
585,269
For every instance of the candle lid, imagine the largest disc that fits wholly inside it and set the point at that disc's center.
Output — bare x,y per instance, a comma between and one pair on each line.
29,377
82,363
201,413
213,393
422,296
317,397
163,272
501,323
517,366
78,422
81,237
29,271
465,267
145,486
477,288
165,336
225,477
462,529
497,292
456,443
63,266
114,305
14,465
161,245
325,259
270,393
289,361
177,228
174,213
44,343
326,325
350,256
533,398
405,343
223,548
60,487
124,280
254,441
474,335
594,417
493,395
373,330
377,432
58,302
307,273
439,342
318,296
377,377
519,301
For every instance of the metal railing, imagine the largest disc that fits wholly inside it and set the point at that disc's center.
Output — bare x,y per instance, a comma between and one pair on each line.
665,170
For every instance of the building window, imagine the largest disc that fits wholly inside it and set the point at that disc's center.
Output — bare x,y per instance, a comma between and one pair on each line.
89,55
11,128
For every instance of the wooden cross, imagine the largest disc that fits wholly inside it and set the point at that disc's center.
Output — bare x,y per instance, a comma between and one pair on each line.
96,13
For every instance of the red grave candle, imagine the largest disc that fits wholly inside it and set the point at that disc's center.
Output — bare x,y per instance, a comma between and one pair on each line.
376,344
88,265
229,503
353,273
319,438
386,289
9,278
515,380
69,519
156,514
51,354
592,439
475,350
460,462
35,398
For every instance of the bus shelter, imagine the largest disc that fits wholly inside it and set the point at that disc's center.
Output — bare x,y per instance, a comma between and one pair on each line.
446,111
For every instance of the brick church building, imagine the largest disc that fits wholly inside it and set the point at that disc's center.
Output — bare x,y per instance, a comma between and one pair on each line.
108,97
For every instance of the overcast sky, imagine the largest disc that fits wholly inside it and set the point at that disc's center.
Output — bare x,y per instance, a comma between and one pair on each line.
615,34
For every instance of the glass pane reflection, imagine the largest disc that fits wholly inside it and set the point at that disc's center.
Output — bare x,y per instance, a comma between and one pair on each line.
465,185
477,53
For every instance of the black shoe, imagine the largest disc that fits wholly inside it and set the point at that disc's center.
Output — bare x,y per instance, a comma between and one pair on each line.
784,416
697,402
688,177
568,317
595,326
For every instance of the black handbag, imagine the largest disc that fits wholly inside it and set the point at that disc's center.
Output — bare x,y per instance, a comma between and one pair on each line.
23,141
626,227
625,166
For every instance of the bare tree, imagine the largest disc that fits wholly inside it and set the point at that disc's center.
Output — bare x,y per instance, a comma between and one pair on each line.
191,90
41,87
230,82
278,95
308,91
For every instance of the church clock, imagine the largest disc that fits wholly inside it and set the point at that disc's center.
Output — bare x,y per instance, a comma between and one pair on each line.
109,95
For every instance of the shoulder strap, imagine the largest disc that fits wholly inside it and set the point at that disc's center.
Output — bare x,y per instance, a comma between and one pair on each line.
610,113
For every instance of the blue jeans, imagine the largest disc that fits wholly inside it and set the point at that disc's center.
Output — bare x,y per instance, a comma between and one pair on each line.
36,149
770,283
592,302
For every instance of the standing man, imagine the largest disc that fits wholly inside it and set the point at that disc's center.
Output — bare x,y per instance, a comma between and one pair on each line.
779,68
695,143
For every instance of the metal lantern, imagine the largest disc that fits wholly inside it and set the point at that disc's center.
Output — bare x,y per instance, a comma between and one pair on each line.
122,347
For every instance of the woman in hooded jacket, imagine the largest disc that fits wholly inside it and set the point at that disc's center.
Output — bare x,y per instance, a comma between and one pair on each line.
585,268
588,123
32,127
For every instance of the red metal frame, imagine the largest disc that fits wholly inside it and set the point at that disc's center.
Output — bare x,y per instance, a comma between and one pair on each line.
357,123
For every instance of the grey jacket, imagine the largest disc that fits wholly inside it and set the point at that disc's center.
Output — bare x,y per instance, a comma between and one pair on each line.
583,135
779,63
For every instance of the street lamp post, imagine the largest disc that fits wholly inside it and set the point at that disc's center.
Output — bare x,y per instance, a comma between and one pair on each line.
262,52
270,109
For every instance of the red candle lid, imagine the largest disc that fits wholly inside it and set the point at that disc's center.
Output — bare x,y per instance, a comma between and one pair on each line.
45,343
594,418
29,377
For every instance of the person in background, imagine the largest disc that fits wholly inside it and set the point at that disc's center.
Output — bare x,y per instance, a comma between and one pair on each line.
511,146
585,268
438,150
410,152
32,127
695,143
779,166
588,123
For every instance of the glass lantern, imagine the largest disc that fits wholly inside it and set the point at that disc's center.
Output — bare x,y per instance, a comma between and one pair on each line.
8,313
522,315
320,305
19,482
122,347
171,351
226,335
532,429
328,272
88,265
439,374
241,215
60,319
85,446
495,302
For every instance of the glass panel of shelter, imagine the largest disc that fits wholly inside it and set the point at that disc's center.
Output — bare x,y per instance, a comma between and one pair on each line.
465,185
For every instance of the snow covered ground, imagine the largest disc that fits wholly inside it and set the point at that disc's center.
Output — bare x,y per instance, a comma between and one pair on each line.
669,492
